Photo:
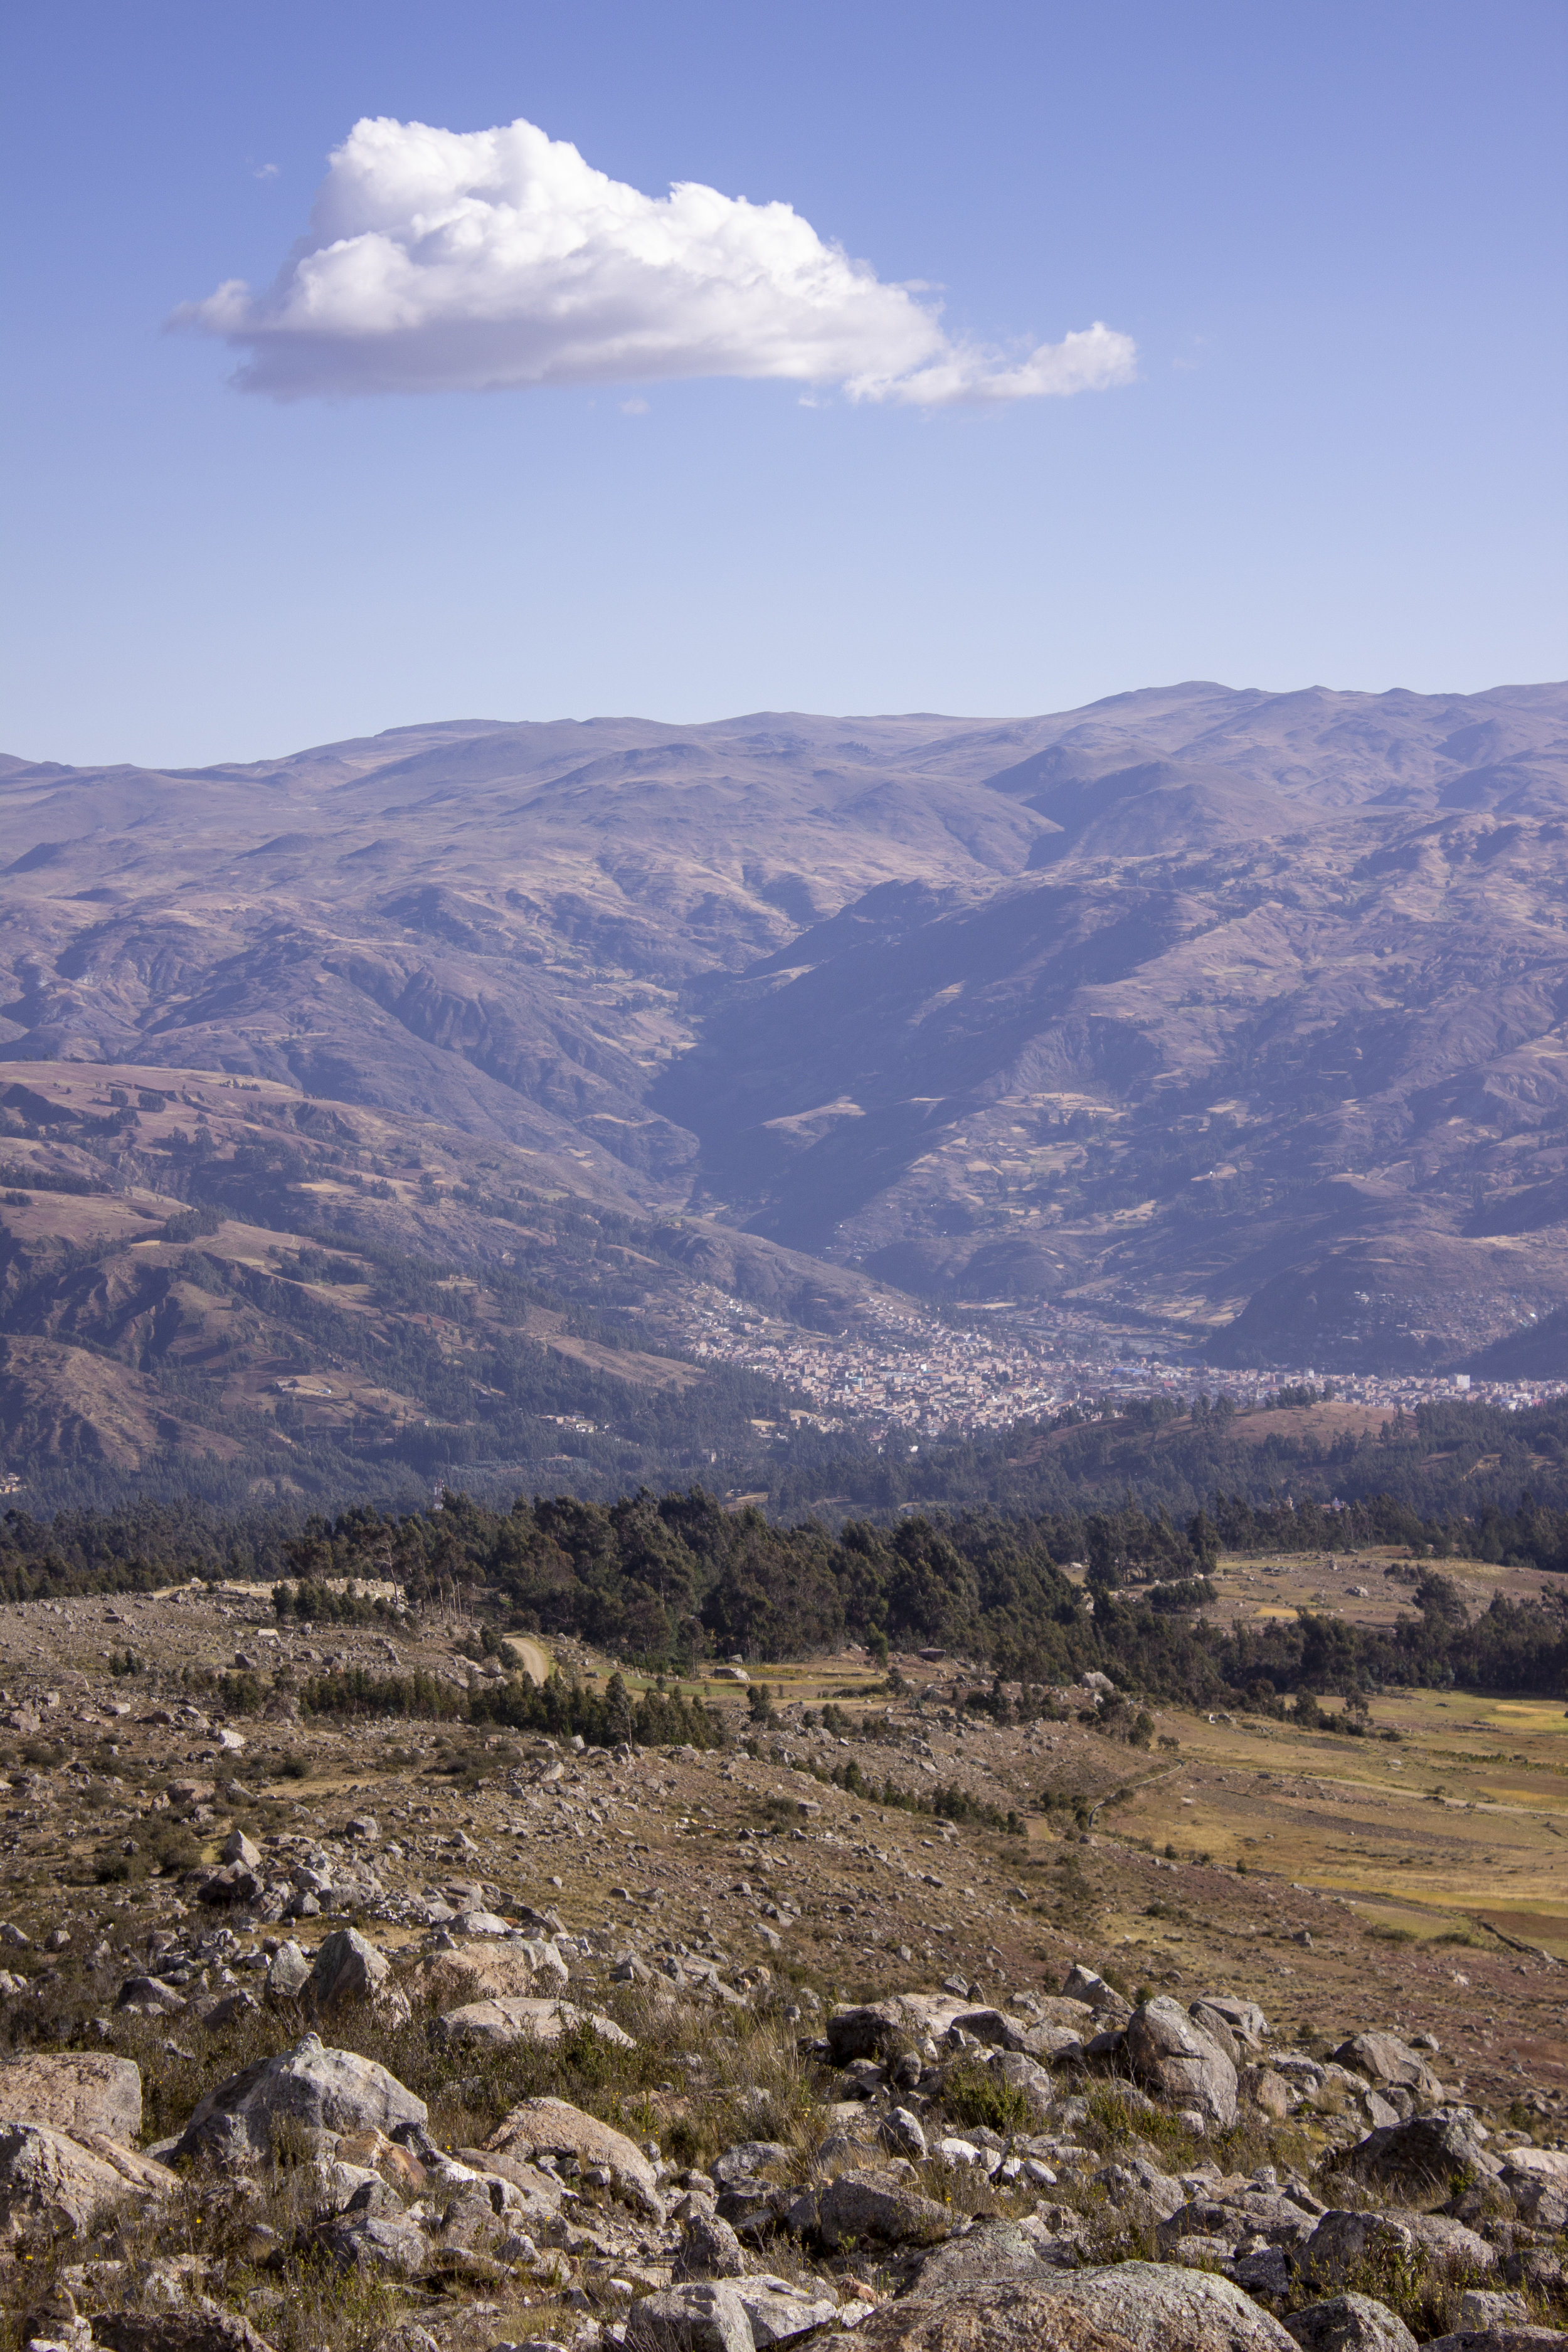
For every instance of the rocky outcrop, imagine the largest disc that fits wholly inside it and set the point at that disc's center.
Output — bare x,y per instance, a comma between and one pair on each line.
200,2326
51,2185
74,2092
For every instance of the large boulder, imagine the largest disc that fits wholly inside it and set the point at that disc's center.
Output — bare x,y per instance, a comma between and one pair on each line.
1350,2323
991,2250
350,1974
52,2185
73,2092
1176,2059
554,2128
1439,2150
877,2205
1536,2179
1159,2308
1383,2058
523,2017
1008,2316
778,2310
1126,2308
1350,2245
307,2084
690,2318
489,1971
1524,2336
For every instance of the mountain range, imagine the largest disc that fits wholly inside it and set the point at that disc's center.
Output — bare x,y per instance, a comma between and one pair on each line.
1234,1018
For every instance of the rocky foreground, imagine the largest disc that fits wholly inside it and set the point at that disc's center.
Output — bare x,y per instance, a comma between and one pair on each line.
382,2037
734,2170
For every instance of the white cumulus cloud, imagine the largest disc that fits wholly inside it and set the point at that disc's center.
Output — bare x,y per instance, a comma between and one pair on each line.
488,260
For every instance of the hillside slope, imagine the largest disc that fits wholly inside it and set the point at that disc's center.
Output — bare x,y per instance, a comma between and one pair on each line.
1235,1017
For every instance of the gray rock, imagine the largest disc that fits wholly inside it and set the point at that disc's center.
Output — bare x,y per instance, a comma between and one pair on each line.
1350,2323
196,2327
1009,2315
1344,2244
288,1974
1126,2308
709,2249
690,2318
149,1997
1428,2151
386,2244
1083,1984
350,1974
1021,2072
991,2250
325,2090
237,1847
524,2017
1524,2338
1160,2309
746,2159
52,2185
1244,2018
1142,2190
868,2030
1383,2058
877,2205
904,2134
1170,2053
73,2092
554,2128
990,2026
1536,2179
1263,2272
1483,2307
778,2311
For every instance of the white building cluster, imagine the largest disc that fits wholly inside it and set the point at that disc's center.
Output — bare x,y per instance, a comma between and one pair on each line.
917,1374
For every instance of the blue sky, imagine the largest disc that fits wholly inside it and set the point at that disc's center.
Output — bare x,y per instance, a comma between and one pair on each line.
1333,233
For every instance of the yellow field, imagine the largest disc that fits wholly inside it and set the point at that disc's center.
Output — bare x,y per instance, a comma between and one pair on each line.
1463,1819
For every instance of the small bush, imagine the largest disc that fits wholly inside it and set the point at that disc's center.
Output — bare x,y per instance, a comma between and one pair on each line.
975,2095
